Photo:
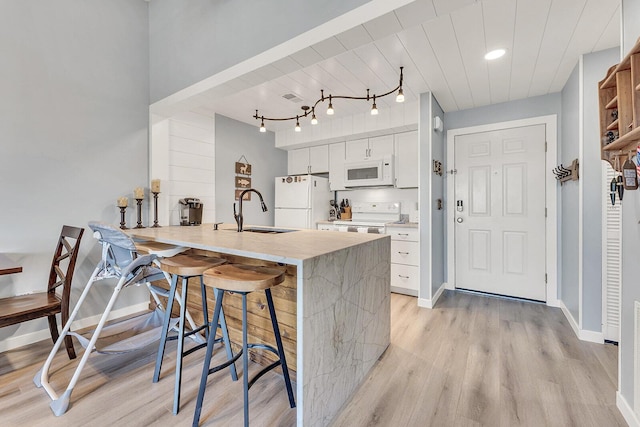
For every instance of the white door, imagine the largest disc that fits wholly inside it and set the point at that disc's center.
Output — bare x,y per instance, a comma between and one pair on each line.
292,192
294,218
500,212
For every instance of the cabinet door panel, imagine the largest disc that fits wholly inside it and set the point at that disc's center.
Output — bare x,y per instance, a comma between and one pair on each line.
336,166
319,159
380,146
298,161
357,149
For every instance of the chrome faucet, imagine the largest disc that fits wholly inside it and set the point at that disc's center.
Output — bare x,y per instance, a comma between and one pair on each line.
238,216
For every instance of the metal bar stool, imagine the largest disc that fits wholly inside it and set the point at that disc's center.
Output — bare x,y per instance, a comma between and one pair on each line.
243,279
185,267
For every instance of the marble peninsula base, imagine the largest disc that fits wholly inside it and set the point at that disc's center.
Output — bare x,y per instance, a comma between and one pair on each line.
345,319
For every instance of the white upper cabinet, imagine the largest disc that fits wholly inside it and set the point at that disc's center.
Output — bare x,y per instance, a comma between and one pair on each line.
378,146
407,160
308,160
336,166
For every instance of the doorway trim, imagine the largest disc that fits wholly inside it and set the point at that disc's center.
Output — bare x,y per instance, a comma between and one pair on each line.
551,197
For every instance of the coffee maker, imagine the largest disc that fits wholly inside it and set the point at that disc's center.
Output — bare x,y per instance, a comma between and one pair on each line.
190,211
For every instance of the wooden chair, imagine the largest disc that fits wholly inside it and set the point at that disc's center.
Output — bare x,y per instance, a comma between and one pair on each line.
21,308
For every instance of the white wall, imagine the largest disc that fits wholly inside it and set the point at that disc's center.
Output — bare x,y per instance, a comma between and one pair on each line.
74,120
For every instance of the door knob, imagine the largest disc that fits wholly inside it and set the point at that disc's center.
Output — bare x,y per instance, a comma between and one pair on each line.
459,220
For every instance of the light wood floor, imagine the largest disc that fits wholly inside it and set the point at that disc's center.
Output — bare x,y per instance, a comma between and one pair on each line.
472,361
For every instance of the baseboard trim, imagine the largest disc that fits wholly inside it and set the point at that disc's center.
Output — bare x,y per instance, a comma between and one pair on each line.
582,334
430,303
627,411
553,303
12,343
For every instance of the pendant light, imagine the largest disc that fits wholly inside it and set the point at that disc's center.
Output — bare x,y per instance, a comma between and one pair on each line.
330,109
297,128
374,108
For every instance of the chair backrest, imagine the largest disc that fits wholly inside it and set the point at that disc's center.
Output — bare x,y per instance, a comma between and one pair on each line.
64,260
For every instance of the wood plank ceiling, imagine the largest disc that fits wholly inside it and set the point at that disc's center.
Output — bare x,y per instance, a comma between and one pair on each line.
441,44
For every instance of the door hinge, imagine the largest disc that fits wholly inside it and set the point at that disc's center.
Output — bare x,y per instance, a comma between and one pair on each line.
545,278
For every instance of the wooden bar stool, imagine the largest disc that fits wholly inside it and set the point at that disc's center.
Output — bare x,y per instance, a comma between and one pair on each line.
185,267
243,279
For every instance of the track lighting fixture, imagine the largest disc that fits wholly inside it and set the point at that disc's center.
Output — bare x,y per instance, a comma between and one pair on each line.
330,111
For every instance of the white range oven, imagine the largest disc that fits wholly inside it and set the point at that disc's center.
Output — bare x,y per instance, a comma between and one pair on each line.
369,217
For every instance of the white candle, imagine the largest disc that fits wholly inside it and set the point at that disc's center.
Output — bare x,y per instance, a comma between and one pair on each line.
155,185
138,193
123,202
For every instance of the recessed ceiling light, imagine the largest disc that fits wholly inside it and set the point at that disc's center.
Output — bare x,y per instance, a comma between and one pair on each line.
494,54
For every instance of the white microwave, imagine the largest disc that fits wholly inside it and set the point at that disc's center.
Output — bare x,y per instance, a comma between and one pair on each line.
369,173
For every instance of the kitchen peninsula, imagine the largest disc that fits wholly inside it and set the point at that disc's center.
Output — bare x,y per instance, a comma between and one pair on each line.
342,302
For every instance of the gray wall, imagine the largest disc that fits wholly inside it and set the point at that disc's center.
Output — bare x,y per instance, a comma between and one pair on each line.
195,39
524,108
74,119
570,197
595,67
630,238
234,139
438,191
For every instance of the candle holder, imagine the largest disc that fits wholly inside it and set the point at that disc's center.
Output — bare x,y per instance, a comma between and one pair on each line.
139,203
155,209
122,223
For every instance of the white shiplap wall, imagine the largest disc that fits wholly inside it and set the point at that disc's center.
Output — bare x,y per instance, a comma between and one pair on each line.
191,163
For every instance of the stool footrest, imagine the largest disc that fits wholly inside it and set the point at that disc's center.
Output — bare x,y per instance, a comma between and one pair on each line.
192,349
225,364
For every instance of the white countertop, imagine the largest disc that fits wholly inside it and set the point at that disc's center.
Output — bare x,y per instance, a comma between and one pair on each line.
287,248
388,224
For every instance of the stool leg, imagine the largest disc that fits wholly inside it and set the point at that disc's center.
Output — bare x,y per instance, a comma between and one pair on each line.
245,361
165,328
227,345
283,359
205,311
219,294
180,353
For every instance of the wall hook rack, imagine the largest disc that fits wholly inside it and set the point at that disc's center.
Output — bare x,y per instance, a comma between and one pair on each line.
564,174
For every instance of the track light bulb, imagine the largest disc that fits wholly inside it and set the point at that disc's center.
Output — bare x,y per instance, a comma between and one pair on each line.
297,128
400,97
330,109
374,108
314,121
262,128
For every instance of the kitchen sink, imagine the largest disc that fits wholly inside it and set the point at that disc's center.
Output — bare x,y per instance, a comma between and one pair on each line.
267,230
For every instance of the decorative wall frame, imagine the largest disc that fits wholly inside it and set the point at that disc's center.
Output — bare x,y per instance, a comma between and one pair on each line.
242,180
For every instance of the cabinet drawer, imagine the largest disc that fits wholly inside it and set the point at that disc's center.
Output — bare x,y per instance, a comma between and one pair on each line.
404,233
405,252
405,276
326,227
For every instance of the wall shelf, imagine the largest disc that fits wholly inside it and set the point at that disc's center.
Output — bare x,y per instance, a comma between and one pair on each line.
619,102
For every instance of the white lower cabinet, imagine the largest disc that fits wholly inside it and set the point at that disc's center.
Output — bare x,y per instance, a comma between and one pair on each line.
405,260
326,227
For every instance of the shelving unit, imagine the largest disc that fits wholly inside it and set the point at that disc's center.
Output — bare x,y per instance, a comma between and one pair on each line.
619,98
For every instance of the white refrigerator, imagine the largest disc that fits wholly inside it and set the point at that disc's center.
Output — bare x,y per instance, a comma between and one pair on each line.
301,201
